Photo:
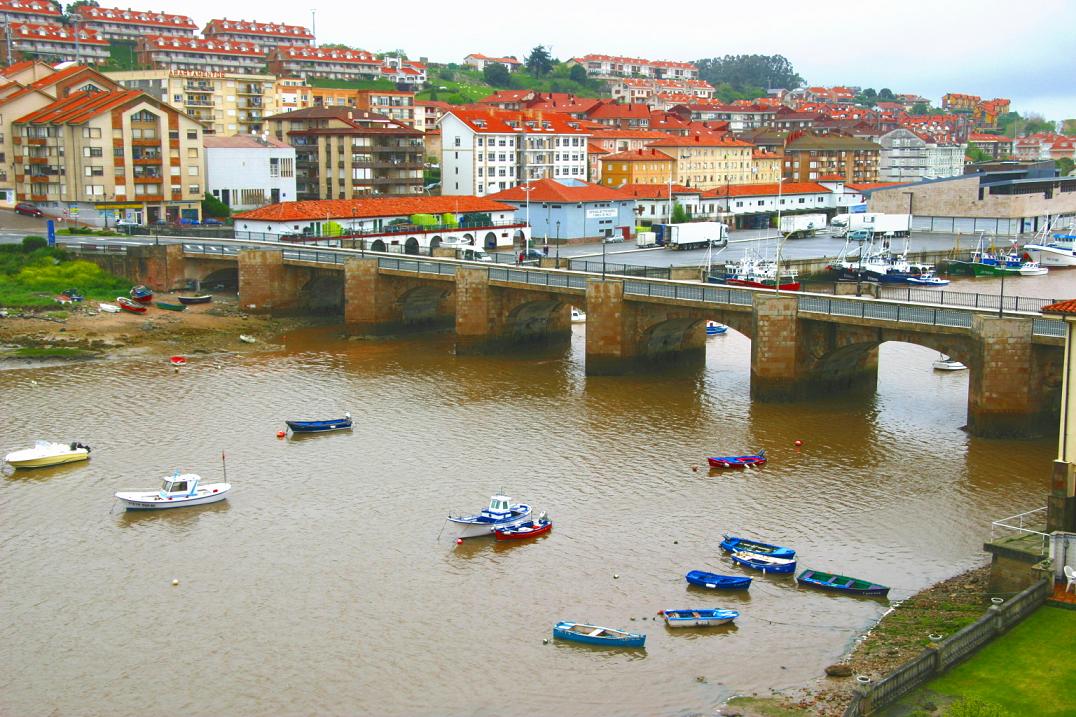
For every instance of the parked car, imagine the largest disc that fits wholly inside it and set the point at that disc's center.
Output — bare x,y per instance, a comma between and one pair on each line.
28,209
212,222
532,254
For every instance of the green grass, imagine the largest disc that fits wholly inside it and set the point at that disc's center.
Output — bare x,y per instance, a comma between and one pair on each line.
351,84
767,706
33,279
466,86
86,231
1028,671
51,352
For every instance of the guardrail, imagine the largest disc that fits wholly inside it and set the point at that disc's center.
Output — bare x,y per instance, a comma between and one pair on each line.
1020,524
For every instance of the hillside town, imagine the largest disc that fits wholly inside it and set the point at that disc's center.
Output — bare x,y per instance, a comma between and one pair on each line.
254,113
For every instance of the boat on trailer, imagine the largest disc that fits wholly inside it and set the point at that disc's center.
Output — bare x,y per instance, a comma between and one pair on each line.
699,617
751,459
597,635
731,543
177,491
765,563
841,584
713,581
336,424
500,514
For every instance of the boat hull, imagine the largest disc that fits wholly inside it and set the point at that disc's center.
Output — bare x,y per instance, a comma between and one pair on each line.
46,461
130,306
206,494
468,528
169,307
736,461
841,584
758,562
790,286
523,532
341,424
195,299
1050,256
698,618
713,581
607,638
731,544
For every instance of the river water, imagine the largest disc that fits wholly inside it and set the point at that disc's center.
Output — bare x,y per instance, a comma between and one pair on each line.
323,585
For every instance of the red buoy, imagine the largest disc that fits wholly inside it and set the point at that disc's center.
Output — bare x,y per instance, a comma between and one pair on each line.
280,434
459,541
798,443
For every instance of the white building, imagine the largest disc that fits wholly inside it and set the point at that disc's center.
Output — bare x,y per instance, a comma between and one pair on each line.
903,157
248,171
944,160
616,66
488,151
479,62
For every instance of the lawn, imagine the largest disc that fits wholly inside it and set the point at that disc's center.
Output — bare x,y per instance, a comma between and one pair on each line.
1028,671
351,84
33,278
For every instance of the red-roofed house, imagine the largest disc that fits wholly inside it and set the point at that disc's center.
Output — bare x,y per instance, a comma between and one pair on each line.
995,145
639,166
115,155
621,116
54,43
751,205
705,161
637,89
1063,147
403,72
487,151
479,62
265,35
569,104
570,209
654,203
326,62
200,55
116,24
32,11
605,66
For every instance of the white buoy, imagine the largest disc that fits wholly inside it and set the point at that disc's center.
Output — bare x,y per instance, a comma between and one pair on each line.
175,581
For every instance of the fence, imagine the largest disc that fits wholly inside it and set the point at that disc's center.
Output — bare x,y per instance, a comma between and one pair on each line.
1023,524
936,659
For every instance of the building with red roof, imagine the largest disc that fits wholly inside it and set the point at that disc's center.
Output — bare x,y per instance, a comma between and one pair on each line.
52,42
995,145
621,115
606,66
194,54
571,209
637,89
326,62
654,203
265,35
480,61
708,160
639,166
118,24
31,11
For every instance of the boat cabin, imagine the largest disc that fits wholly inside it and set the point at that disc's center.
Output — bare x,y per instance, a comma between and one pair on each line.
177,485
499,506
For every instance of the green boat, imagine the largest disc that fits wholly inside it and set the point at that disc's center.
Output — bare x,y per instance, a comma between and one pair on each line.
170,307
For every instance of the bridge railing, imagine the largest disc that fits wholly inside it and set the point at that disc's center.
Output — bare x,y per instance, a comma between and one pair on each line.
689,292
418,266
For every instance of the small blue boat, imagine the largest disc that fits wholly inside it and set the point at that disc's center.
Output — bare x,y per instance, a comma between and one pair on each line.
765,563
715,329
699,617
717,582
733,544
597,635
338,424
841,583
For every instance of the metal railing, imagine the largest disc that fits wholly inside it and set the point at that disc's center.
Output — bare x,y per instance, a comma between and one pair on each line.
1020,524
418,266
964,299
539,278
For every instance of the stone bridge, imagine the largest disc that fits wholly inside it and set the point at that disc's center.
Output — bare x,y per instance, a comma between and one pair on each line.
802,345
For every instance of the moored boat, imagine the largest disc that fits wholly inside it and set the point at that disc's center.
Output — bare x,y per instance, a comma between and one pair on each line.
731,543
142,294
752,459
109,308
247,339
713,581
841,583
1032,268
765,563
927,279
715,329
944,363
578,317
524,531
130,306
201,299
178,360
336,424
699,617
47,453
73,294
177,491
169,307
597,635
501,513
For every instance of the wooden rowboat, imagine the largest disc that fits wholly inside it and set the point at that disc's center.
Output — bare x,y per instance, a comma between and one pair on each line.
841,583
337,424
202,299
698,617
178,360
142,294
713,581
597,635
131,306
765,563
524,531
753,459
731,543
169,307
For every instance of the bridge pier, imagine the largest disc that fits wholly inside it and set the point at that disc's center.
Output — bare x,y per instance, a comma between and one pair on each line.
1004,399
265,284
492,318
609,349
161,267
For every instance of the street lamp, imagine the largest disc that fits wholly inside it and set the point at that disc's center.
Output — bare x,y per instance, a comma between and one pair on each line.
777,267
558,243
526,242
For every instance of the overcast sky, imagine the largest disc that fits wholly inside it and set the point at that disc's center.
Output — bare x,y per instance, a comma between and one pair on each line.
988,48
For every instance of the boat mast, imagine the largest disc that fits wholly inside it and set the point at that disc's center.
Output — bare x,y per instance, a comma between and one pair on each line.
777,265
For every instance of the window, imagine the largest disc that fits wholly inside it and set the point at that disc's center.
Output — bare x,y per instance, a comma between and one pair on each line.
192,134
456,142
92,152
192,152
91,132
94,171
196,189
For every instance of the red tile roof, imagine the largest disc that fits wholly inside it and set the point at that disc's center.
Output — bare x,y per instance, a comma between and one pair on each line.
767,190
656,191
550,190
867,186
831,178
200,46
979,137
242,141
614,110
33,7
639,155
303,53
370,208
49,32
700,140
634,61
263,29
610,133
504,60
596,149
1068,306
135,17
79,107
17,68
494,121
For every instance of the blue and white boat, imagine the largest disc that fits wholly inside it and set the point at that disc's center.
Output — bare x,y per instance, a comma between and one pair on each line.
699,617
715,329
597,635
502,513
765,563
927,279
714,581
731,544
336,424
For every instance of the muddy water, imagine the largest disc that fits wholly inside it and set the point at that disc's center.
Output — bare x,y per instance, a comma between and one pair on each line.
324,586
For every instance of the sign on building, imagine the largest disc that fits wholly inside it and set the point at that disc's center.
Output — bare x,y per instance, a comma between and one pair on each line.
601,214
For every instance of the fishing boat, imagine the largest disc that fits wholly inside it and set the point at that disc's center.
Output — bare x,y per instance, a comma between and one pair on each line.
142,294
927,279
841,583
755,271
715,329
201,299
109,308
47,453
714,581
72,295
752,459
578,317
765,563
597,635
698,617
336,424
177,491
170,307
525,531
733,544
1053,248
944,363
131,306
1032,268
501,513
178,360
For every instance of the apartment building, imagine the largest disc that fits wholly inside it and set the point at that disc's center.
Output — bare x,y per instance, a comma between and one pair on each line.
479,62
638,89
249,171
342,153
397,105
52,43
292,93
609,141
903,157
808,157
427,112
618,115
704,161
265,35
31,11
117,24
995,145
203,55
487,151
105,156
225,103
329,63
641,166
606,66
403,72
741,118
945,160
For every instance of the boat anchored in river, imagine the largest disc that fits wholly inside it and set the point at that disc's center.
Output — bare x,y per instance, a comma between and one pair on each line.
47,453
177,491
500,514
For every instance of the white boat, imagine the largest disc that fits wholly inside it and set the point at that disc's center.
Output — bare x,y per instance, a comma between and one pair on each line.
944,363
1053,249
177,491
927,279
247,339
699,617
109,308
47,453
1032,268
501,513
578,317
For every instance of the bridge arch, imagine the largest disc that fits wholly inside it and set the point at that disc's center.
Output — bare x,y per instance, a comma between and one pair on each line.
423,304
530,320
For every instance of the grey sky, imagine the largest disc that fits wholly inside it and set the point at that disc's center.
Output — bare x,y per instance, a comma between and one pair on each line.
986,47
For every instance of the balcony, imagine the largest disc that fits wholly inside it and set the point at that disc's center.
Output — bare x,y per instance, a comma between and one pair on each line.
36,141
198,87
194,101
146,142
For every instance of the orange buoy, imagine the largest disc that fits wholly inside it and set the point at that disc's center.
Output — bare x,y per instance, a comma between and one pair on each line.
459,541
281,434
798,443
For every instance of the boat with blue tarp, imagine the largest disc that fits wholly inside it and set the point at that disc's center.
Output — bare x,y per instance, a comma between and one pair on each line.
713,581
597,635
732,543
336,424
744,461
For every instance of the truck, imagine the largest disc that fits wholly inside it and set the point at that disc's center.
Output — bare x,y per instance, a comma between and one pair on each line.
646,239
890,225
801,226
693,235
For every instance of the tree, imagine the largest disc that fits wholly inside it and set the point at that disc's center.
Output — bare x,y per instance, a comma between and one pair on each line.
402,54
496,75
976,154
740,71
73,7
920,108
1065,165
885,94
213,207
679,214
578,73
539,63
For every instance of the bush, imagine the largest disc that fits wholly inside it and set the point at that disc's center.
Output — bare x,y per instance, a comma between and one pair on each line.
213,207
33,243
